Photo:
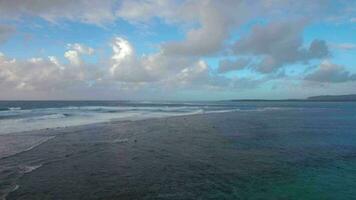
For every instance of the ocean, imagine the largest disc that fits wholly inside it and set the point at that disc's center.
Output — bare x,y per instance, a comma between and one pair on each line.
20,116
270,150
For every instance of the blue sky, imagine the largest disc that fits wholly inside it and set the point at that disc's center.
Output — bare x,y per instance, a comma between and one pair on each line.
176,50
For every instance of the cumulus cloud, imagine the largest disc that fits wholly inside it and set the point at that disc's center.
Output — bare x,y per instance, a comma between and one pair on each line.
233,65
80,48
30,74
126,66
73,57
328,72
48,74
144,10
198,73
279,44
124,70
211,22
75,51
208,37
94,11
160,68
207,28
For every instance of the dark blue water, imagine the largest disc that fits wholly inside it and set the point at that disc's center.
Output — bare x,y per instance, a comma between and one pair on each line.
253,150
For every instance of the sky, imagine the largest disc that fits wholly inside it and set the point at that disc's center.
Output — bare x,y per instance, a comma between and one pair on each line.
176,49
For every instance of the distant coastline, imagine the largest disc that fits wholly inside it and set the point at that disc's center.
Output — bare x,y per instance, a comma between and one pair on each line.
320,98
326,98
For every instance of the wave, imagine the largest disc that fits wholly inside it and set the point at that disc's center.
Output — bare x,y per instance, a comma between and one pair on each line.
13,187
55,117
14,108
224,111
269,109
18,151
10,109
47,117
29,168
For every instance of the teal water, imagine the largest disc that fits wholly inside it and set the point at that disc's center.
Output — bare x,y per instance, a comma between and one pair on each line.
308,154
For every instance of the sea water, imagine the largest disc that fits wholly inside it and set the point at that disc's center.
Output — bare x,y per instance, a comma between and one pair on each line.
281,150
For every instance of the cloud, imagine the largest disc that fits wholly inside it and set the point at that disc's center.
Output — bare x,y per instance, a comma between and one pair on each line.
144,10
75,51
158,68
5,32
126,66
209,23
279,44
195,75
233,65
47,78
345,46
49,74
328,72
208,37
208,28
317,49
92,12
123,71
30,74
82,49
247,83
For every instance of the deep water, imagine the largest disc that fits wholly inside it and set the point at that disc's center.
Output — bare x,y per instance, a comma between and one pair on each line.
292,150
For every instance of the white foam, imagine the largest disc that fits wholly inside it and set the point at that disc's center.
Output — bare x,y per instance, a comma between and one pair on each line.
15,108
120,140
44,118
28,169
19,144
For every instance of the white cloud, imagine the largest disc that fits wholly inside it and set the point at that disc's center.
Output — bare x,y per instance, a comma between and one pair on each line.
126,66
233,65
31,74
211,22
199,72
125,71
144,10
75,51
81,48
93,12
207,27
73,57
328,72
159,67
279,44
122,50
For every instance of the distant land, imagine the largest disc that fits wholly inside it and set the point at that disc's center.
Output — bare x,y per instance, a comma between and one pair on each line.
350,97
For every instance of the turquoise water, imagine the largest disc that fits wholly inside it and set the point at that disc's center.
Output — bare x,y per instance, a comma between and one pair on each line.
309,154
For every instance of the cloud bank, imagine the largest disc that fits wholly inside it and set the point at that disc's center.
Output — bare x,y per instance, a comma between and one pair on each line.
251,45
